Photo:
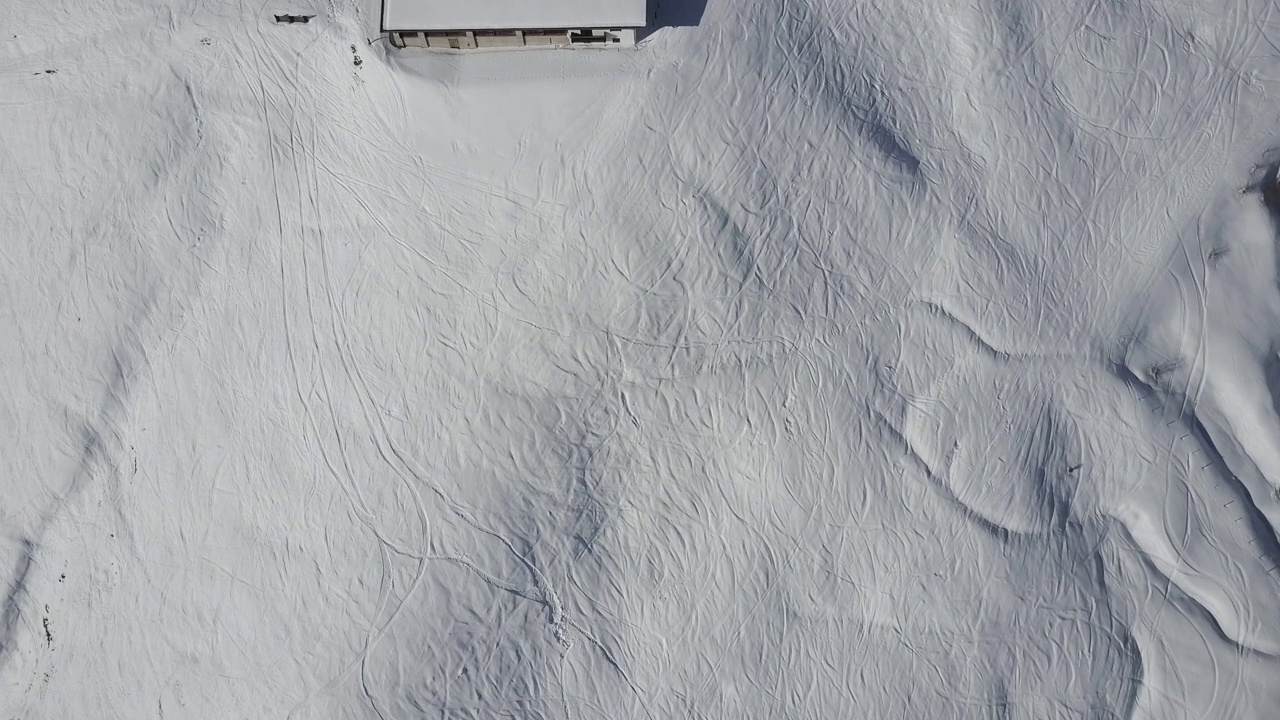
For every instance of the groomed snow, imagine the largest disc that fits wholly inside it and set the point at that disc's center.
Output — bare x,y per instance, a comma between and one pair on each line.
498,14
832,358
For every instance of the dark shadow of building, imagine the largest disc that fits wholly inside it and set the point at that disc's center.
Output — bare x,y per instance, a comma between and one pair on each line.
672,13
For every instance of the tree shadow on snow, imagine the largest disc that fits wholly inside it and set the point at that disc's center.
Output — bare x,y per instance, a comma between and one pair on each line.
673,13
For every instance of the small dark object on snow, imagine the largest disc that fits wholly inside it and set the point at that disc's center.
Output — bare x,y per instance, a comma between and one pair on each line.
291,19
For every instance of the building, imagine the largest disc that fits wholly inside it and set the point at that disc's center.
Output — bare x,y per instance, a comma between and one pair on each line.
473,24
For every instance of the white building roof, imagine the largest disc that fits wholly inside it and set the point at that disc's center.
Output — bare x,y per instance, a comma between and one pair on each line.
511,14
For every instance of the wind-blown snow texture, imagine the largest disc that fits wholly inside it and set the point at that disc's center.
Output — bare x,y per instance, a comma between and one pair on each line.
827,359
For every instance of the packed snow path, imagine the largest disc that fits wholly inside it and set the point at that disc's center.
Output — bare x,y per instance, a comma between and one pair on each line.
826,359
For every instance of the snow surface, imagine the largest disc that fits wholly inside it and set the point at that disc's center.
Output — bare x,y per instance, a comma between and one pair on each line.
488,14
827,359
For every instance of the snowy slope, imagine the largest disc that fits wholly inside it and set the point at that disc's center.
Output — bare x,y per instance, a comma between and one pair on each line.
828,359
